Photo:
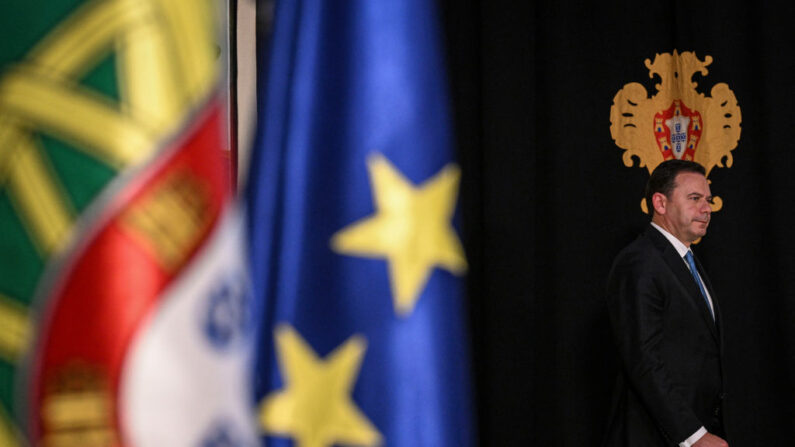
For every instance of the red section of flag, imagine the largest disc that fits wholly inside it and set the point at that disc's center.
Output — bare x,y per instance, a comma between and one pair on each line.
114,284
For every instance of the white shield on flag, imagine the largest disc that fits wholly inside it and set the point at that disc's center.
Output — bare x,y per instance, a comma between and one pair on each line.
186,379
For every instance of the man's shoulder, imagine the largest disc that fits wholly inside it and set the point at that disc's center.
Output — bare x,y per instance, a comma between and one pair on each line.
645,241
642,251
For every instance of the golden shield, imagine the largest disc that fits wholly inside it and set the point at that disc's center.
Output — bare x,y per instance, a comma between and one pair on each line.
676,122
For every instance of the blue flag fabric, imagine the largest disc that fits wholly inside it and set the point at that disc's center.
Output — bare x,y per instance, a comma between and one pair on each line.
355,255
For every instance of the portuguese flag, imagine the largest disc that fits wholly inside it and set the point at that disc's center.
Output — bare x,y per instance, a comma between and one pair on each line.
124,306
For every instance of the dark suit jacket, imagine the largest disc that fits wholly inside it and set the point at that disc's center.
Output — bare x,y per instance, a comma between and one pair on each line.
671,380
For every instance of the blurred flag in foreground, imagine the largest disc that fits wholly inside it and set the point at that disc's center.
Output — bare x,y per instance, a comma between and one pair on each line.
353,194
123,297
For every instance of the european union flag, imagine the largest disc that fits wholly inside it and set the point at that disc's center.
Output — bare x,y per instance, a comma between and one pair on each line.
353,195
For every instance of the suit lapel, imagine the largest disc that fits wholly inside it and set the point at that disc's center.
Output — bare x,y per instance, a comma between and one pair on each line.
683,275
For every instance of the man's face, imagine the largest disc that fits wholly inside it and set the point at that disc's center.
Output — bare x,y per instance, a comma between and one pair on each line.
687,211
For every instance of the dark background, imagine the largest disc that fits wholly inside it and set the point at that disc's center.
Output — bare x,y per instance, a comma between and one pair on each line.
548,203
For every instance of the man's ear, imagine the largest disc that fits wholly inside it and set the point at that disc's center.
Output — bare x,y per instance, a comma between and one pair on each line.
659,201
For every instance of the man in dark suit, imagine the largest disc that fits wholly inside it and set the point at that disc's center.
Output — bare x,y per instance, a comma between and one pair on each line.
667,324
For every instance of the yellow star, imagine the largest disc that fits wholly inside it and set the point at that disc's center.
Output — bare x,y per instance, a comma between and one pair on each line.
315,408
411,228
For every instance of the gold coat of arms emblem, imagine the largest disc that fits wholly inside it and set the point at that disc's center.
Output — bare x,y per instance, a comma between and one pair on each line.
678,121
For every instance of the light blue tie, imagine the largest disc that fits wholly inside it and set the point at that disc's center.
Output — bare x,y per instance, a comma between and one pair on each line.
691,262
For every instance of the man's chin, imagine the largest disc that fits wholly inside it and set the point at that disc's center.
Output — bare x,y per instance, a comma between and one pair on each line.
698,232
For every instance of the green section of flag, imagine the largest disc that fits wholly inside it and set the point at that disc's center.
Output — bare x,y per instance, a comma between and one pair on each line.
20,268
20,263
6,393
80,176
24,22
5,387
102,78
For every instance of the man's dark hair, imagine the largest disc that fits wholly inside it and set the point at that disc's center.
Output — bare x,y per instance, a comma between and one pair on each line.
663,178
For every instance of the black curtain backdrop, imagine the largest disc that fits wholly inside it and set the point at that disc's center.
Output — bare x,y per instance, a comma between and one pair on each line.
548,203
